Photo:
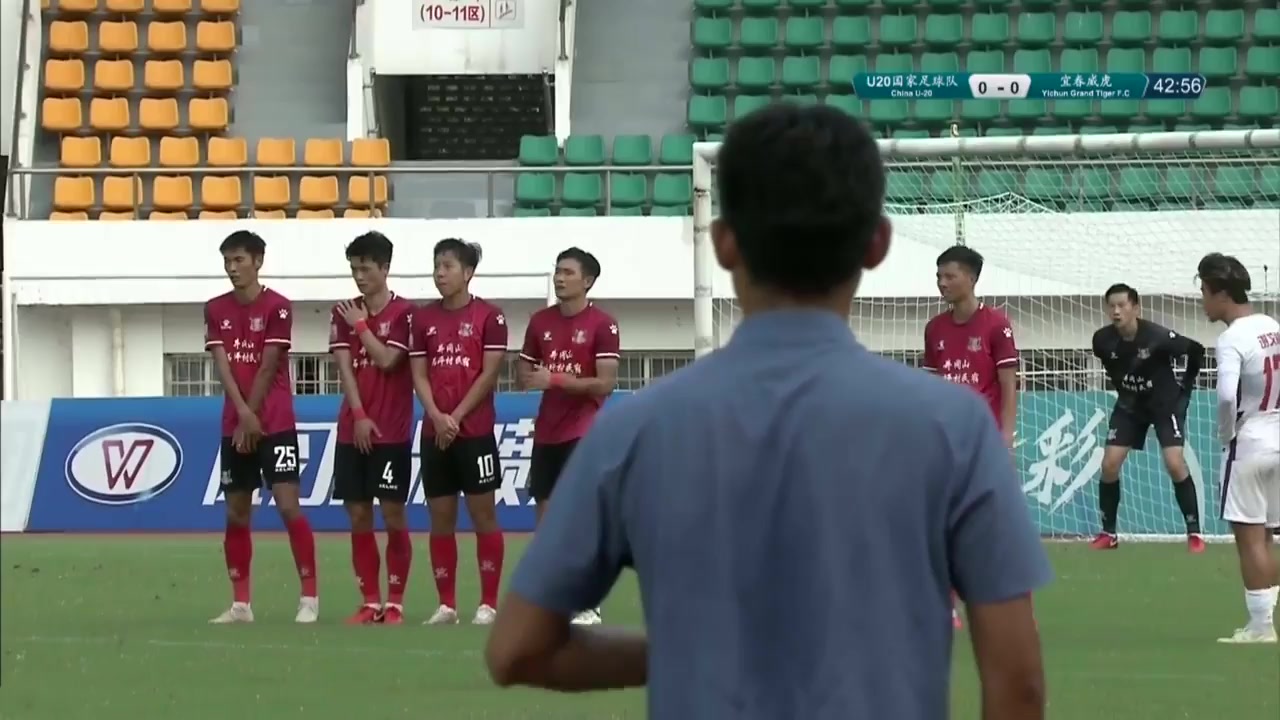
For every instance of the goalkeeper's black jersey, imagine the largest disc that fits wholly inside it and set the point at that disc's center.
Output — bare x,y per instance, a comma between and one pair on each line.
1141,369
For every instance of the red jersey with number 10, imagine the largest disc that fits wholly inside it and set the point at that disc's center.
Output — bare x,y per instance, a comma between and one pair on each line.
387,395
244,330
971,352
570,345
454,343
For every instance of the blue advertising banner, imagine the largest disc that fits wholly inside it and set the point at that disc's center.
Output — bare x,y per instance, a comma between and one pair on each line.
153,465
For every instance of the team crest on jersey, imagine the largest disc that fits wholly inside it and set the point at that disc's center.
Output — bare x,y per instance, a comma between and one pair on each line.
579,337
466,329
431,331
975,344
546,336
256,324
284,313
502,319
1143,353
384,329
226,324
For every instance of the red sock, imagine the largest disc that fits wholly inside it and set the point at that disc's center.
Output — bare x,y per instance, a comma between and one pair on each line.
399,558
367,563
444,562
489,551
303,543
237,548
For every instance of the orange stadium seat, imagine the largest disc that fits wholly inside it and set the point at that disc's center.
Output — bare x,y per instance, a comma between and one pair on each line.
172,193
275,152
109,114
270,193
218,215
130,152
208,114
228,152
370,152
72,193
63,76
163,75
318,191
158,114
163,215
113,76
167,37
322,152
118,38
68,37
121,192
183,152
305,214
56,215
61,114
219,7
358,192
77,6
212,75
356,213
220,192
80,152
171,7
124,7
215,37
117,215
269,215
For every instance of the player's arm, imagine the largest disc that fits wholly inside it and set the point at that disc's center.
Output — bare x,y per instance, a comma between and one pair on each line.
530,356
1175,345
1004,352
419,367
571,563
997,560
279,336
929,362
386,356
339,332
494,339
608,350
220,360
1229,363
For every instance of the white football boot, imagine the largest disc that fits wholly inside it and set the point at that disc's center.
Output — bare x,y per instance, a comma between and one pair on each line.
587,617
1250,635
444,615
485,615
308,610
238,613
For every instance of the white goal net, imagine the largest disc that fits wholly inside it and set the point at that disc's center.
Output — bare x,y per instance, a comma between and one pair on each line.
1058,219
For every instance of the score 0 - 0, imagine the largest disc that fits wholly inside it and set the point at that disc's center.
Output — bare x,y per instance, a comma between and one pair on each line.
999,86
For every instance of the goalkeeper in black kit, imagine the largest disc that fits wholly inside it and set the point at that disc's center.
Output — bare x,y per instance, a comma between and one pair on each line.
1139,359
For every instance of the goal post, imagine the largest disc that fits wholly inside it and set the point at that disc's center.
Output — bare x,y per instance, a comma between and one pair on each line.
1058,219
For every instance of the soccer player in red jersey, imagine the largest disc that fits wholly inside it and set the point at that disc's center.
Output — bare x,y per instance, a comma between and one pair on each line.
369,339
570,353
972,343
458,346
249,331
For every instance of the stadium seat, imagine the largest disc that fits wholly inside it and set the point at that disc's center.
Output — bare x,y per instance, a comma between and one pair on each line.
181,152
989,30
172,193
318,191
130,152
709,74
80,152
804,34
117,38
230,152
1224,27
275,152
588,211
219,7
672,189
109,114
584,150
212,75
73,193
1178,27
760,7
113,76
851,33
271,193
208,114
758,34
535,189
77,7
755,74
1130,27
218,215
944,31
531,212
1262,62
842,68
61,114
539,151
1074,60
1218,64
1083,29
626,211
308,214
934,112
171,7
1036,29
168,216
166,38
712,34
848,104
1181,184
1173,60
124,7
359,213
269,215
68,37
158,114
676,149
64,76
220,192
121,192
632,150
897,31
163,76
116,215
322,152
370,153
1032,61
1266,26
582,189
708,111
628,189
1259,103
985,61
215,37
359,194
64,216
801,73
744,105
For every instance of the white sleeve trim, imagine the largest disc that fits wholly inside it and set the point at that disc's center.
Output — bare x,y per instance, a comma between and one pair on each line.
212,343
608,356
278,341
397,345
497,347
339,346
526,357
1006,361
417,353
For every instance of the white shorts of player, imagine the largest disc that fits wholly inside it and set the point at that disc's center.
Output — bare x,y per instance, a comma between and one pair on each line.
1251,489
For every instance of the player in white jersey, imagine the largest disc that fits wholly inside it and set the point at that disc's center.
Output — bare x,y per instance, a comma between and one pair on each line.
1248,353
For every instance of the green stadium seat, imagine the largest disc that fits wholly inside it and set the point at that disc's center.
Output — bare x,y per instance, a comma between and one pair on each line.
979,110
708,111
943,31
1045,184
756,73
1119,110
1039,4
1233,183
632,150
1130,27
1087,3
1052,130
906,187
1262,62
939,62
934,112
531,212
804,33
709,74
672,210
967,132
744,105
887,112
1003,132
991,183
1032,61
1166,109
849,104
1121,60
948,185
583,211
1192,127
1074,109
628,189
539,150
712,7
758,34
1178,27
945,5
1146,127
1138,183
1172,60
1269,181
760,7
904,134
903,63
842,68
712,34
673,189
803,99
985,61
1098,129
989,30
1266,26
1259,103
626,211
853,7
1181,183
1218,64
535,189
1213,104
715,137
1027,110
806,6
584,150
1223,27
676,149
1083,28
1076,60
801,73
897,31
1036,29
582,189
851,33
1090,183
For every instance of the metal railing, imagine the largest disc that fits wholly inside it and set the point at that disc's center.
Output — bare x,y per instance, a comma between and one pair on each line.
564,12
18,114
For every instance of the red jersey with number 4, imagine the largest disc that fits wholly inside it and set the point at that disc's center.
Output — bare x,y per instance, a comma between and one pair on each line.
970,353
454,343
244,330
387,395
569,345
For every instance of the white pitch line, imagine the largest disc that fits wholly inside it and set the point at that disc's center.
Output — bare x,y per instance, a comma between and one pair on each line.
239,646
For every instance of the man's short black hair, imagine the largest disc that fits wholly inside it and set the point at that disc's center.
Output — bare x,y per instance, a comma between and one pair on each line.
1128,291
802,190
964,256
1225,273
588,262
467,254
245,240
372,245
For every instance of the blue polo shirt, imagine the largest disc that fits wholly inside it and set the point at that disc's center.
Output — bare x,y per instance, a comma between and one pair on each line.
797,510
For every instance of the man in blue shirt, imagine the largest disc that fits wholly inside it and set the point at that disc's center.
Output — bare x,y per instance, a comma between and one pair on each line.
797,508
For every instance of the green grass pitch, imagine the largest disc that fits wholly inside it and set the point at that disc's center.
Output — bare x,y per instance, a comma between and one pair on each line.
114,628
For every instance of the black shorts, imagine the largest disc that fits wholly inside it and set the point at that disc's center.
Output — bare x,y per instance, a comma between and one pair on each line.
275,460
546,465
469,466
1128,428
383,474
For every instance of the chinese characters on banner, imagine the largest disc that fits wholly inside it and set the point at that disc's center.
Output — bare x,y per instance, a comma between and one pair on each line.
468,15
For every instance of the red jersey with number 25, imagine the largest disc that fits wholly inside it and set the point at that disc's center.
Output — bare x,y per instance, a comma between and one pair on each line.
387,395
570,345
244,330
454,343
970,353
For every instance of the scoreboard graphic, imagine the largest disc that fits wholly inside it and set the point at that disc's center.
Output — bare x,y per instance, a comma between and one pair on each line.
1028,86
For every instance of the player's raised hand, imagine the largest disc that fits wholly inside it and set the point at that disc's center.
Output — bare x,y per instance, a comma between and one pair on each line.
352,312
365,432
539,378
